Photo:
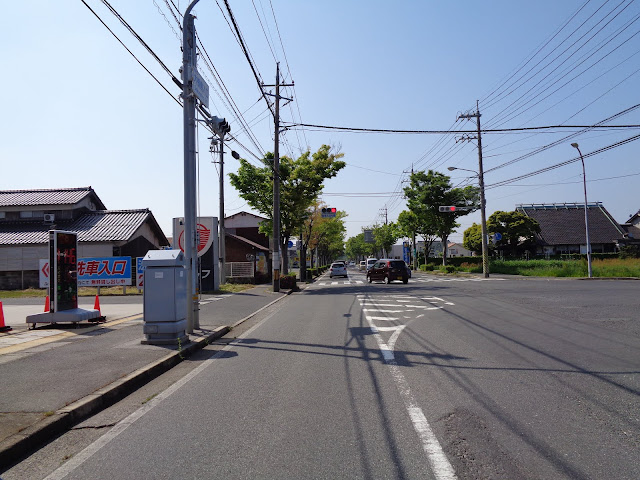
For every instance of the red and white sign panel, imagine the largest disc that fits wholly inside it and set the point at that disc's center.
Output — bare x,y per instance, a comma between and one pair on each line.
204,230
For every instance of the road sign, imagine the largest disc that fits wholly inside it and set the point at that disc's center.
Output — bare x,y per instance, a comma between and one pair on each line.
200,88
497,237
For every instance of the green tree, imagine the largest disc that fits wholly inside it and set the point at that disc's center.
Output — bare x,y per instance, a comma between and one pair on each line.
301,182
411,225
357,248
330,237
384,237
518,233
427,191
472,238
517,229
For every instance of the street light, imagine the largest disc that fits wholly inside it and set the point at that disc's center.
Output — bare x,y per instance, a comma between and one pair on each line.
586,217
483,218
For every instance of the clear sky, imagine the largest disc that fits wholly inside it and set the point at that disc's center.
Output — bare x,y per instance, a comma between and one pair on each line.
78,110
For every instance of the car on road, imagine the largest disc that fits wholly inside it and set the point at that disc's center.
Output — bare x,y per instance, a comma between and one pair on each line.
408,269
338,269
388,270
370,262
363,265
352,263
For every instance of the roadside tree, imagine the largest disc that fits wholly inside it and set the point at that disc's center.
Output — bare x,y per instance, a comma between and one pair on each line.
301,182
427,191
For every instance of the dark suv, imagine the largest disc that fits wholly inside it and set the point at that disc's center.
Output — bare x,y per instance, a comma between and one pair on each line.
388,270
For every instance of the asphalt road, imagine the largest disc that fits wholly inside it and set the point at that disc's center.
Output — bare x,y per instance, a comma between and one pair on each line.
441,378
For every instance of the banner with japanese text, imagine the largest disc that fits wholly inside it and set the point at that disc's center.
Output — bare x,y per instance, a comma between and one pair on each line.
104,272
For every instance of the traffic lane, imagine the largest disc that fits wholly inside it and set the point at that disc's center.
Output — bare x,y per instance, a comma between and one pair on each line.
304,395
524,394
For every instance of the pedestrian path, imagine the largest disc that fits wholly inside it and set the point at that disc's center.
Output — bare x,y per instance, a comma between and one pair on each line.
47,334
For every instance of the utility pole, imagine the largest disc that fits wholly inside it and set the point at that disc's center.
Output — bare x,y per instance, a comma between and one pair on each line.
276,182
483,217
189,122
220,127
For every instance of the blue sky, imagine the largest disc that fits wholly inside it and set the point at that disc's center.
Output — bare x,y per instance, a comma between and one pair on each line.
79,110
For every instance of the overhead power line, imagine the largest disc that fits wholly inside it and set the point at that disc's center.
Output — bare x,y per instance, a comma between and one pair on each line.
455,132
562,164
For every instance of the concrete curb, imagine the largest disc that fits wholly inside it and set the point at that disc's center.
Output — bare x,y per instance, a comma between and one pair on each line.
28,440
31,438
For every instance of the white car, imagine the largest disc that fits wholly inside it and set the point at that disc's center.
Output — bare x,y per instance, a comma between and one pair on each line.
338,270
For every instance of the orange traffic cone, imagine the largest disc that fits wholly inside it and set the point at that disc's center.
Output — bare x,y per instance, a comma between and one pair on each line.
96,305
3,327
46,304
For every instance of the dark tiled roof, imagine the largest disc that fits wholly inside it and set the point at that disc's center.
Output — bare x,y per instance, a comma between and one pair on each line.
634,232
563,224
99,226
53,196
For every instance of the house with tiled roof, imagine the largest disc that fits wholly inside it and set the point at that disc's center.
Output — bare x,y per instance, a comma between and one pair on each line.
26,216
632,229
562,228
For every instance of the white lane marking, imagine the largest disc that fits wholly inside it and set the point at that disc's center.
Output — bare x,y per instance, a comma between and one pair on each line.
420,316
384,319
81,457
383,311
430,300
334,283
402,300
425,307
373,304
440,465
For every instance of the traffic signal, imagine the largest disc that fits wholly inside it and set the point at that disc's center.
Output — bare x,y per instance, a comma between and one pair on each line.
453,208
220,126
329,212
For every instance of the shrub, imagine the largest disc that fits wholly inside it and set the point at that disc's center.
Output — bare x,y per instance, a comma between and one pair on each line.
447,268
630,251
288,281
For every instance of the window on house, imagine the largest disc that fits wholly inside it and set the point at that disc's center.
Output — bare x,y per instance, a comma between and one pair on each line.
32,214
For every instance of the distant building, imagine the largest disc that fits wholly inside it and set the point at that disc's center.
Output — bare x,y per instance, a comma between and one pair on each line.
562,228
246,249
457,250
26,216
632,230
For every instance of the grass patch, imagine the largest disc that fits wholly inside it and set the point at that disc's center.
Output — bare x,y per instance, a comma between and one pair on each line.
614,267
234,287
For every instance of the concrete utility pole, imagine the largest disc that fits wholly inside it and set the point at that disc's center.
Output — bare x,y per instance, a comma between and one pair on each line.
220,127
483,216
221,240
276,183
189,121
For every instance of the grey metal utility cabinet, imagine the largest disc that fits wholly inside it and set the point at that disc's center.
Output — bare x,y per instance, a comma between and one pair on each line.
165,298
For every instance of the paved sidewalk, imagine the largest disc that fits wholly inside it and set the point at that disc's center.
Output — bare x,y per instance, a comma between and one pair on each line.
53,377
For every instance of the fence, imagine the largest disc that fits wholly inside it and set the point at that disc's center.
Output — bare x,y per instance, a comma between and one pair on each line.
238,269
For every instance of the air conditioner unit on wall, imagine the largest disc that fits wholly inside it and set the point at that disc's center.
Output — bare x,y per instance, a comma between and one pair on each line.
49,217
